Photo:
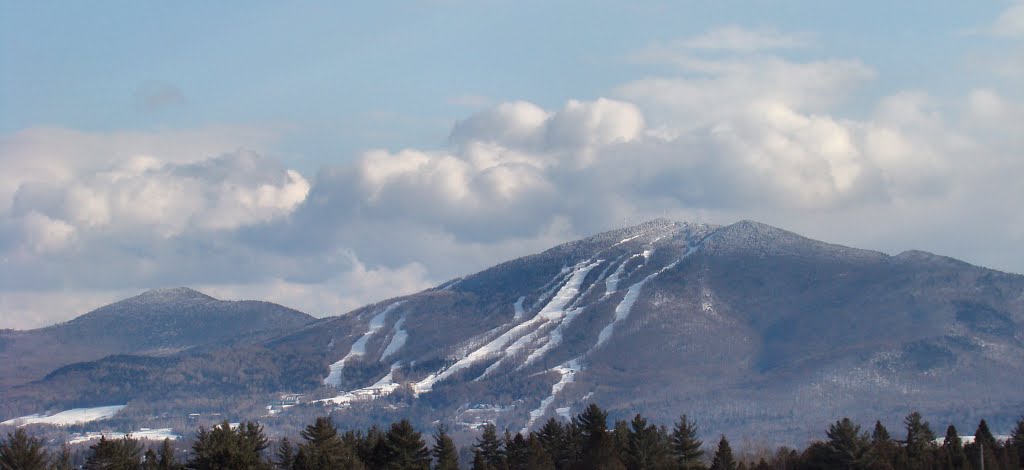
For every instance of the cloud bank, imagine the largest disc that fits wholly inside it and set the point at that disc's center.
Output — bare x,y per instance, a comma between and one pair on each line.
735,131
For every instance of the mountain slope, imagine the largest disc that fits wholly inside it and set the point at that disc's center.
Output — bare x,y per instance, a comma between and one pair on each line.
750,329
155,323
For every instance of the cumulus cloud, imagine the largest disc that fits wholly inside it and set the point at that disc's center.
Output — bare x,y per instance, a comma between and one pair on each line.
721,138
1010,23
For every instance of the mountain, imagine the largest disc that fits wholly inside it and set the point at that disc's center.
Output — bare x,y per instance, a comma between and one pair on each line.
157,322
749,329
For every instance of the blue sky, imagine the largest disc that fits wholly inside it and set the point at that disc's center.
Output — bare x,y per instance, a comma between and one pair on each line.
132,131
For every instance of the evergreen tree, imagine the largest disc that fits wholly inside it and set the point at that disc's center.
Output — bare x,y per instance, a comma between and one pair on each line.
880,434
552,437
167,460
953,449
405,448
490,447
324,449
517,452
115,454
984,442
920,440
61,460
479,462
723,459
285,455
883,449
149,460
446,456
686,447
1017,440
597,445
224,448
644,451
21,451
537,458
847,447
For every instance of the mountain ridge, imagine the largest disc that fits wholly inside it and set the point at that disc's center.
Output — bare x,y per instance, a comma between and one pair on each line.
748,328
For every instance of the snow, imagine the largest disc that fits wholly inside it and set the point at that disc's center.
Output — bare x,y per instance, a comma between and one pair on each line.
144,433
568,374
970,439
518,306
67,417
523,333
359,347
382,388
397,339
612,283
625,306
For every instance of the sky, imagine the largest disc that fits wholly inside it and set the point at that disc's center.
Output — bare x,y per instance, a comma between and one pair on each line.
325,155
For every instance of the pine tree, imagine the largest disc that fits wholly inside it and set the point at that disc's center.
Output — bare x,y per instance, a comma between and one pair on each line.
285,455
114,454
446,456
920,440
517,452
537,458
1017,440
479,462
883,449
686,447
149,460
723,459
880,434
552,438
847,447
223,447
598,447
167,459
490,447
21,451
324,449
405,448
953,449
644,450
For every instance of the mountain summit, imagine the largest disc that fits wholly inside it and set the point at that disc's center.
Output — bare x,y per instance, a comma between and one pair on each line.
155,323
749,329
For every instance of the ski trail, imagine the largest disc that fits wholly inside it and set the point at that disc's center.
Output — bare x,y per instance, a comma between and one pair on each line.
625,306
382,388
519,309
568,373
398,338
359,347
552,312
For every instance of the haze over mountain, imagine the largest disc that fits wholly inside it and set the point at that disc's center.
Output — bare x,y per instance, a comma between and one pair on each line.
750,329
157,322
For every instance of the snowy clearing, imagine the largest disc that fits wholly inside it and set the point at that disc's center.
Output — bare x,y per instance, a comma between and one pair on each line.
67,417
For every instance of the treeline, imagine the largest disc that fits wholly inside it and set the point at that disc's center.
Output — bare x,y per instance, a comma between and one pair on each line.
584,442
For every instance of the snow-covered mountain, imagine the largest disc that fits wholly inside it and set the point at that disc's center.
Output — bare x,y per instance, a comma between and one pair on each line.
750,329
157,322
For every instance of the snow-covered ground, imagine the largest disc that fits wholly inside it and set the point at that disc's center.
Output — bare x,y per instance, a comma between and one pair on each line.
384,387
359,347
522,335
568,372
67,417
144,433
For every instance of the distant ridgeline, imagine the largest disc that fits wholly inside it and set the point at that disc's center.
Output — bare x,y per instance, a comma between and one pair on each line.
587,441
761,333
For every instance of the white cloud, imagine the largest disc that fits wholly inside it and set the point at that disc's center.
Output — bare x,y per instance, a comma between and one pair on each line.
1010,23
722,138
